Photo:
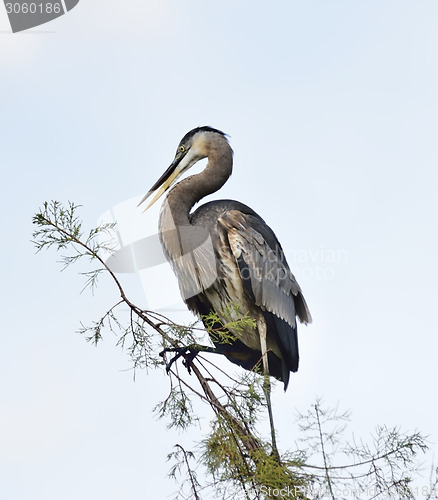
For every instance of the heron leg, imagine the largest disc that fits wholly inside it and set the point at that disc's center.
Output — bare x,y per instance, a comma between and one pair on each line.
261,326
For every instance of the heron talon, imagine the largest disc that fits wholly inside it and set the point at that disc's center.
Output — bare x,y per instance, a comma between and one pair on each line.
187,365
187,353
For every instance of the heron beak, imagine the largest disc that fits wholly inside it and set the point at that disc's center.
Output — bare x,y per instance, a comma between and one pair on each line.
163,183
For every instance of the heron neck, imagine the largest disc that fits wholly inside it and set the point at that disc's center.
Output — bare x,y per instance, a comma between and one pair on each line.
189,191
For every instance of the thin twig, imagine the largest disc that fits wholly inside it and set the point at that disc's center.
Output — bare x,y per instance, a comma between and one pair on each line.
326,466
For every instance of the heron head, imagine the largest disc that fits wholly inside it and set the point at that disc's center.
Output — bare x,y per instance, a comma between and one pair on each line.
194,146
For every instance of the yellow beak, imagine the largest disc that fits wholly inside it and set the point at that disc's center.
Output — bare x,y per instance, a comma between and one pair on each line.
163,184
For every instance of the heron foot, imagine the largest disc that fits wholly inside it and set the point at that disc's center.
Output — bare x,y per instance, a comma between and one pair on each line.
275,455
188,353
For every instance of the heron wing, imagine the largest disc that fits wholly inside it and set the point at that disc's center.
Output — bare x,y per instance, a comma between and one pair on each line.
263,267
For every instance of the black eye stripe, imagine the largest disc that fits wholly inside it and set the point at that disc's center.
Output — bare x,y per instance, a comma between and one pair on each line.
190,134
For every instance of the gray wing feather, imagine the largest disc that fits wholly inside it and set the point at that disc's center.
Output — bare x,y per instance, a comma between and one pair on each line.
263,266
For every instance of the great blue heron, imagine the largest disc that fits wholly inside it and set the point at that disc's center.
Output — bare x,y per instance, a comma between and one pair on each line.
228,260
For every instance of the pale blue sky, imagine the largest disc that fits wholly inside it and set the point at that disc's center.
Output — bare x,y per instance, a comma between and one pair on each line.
332,111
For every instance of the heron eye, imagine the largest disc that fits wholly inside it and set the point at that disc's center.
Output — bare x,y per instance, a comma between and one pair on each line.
182,149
